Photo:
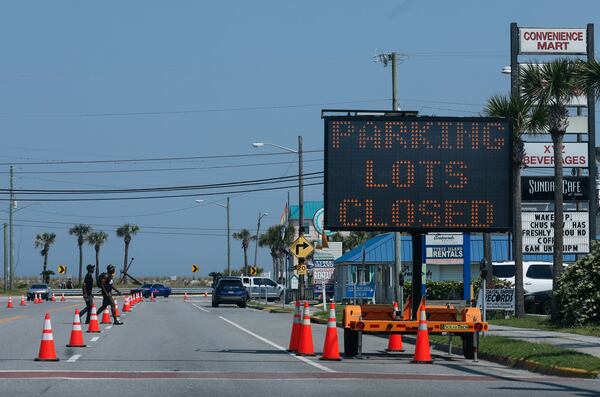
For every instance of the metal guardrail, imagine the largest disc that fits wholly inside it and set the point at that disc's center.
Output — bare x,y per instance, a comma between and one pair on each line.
96,291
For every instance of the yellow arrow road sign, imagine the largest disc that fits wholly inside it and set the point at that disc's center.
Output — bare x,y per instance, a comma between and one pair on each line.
62,269
253,270
194,268
301,248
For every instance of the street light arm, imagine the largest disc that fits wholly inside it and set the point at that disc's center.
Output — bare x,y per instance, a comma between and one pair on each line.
259,144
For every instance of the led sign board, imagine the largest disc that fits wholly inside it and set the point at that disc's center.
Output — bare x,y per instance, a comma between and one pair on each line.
401,173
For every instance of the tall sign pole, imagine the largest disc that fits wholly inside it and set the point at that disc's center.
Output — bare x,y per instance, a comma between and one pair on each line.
10,231
591,103
301,209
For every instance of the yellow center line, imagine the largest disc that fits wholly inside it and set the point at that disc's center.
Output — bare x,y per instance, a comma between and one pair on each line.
9,319
19,317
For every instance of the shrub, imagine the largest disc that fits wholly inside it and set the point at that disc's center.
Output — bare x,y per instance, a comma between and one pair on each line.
578,293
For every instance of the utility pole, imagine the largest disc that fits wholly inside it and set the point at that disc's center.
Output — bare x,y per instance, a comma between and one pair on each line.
6,275
228,241
260,216
10,231
301,209
397,268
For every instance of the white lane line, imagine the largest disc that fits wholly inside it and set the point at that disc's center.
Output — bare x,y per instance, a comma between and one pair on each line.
275,345
73,358
94,339
109,327
201,308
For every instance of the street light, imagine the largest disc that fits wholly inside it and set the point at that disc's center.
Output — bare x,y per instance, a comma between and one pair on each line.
228,232
300,191
260,216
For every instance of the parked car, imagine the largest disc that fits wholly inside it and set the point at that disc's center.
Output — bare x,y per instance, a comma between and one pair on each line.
157,289
537,276
42,289
229,290
538,302
257,287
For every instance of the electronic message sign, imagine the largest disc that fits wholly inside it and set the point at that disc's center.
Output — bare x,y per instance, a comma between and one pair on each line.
409,173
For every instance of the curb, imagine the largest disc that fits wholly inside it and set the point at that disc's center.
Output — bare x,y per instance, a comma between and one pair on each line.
527,365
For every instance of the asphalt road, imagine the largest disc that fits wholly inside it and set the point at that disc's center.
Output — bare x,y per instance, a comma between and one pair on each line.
176,348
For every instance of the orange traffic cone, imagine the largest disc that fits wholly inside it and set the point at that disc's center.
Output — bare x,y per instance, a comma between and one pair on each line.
62,299
35,299
305,347
76,333
9,305
395,340
53,299
422,352
126,307
23,303
331,350
94,326
296,323
106,316
152,297
116,308
47,351
185,297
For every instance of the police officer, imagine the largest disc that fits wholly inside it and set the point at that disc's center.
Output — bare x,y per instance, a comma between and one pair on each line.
88,296
105,282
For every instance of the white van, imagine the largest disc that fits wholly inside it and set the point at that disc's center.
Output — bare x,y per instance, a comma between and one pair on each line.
537,276
257,287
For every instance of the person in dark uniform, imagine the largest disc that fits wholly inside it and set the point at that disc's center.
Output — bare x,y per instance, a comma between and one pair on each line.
105,282
88,296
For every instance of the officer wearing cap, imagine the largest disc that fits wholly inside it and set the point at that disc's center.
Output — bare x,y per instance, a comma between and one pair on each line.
88,296
105,283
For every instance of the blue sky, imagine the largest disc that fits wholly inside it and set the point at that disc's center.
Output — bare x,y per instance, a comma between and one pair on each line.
66,62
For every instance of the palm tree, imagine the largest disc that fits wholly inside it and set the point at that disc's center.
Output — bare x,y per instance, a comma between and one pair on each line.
526,119
97,239
81,231
552,85
589,76
277,238
245,237
45,240
127,231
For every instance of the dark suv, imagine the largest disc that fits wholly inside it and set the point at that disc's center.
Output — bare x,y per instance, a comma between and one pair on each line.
229,290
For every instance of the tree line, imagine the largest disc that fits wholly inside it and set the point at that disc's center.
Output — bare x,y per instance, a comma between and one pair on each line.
85,234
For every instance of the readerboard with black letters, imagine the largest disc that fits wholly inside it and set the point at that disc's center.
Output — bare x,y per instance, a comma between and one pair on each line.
400,173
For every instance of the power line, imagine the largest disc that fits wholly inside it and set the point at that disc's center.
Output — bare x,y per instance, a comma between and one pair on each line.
191,111
30,199
165,169
274,180
141,232
116,226
155,159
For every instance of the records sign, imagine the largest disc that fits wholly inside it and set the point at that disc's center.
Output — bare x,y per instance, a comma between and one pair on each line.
541,188
401,173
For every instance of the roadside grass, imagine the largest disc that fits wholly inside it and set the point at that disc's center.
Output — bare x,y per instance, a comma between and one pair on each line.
515,350
543,323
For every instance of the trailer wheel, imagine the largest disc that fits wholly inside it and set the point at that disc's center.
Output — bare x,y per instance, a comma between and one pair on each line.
350,343
468,346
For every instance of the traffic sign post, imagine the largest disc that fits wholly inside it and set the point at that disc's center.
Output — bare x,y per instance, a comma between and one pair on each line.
253,270
62,269
194,268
